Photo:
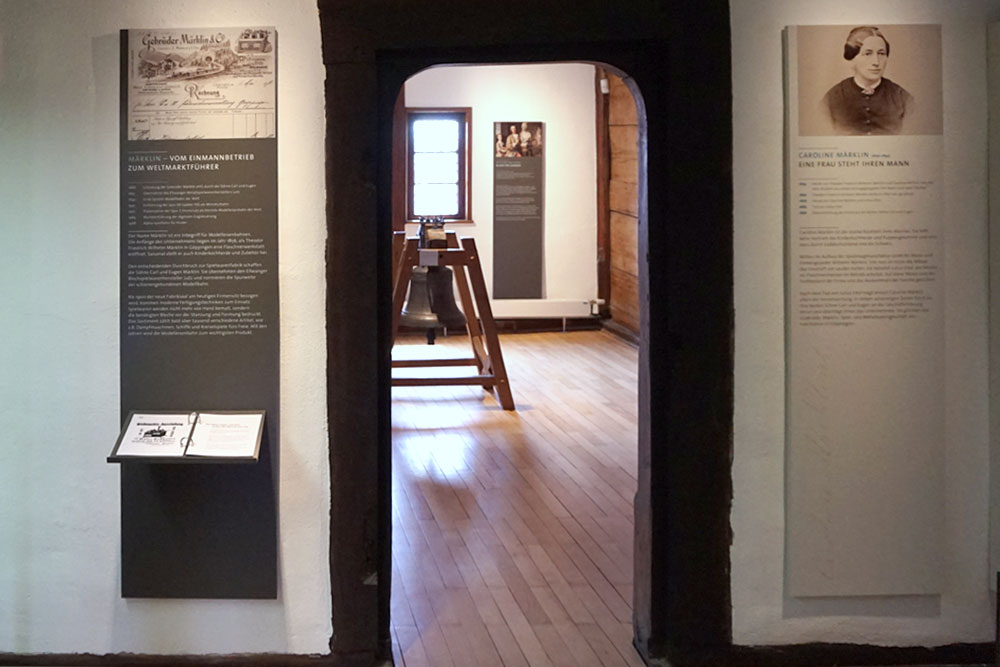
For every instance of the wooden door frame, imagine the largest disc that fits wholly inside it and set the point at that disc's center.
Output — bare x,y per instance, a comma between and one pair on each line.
682,601
651,595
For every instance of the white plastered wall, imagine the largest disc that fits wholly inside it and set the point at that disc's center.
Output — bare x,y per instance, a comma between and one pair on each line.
762,614
59,358
561,95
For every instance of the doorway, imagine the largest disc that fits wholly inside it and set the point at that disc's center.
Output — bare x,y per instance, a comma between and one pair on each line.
682,599
513,532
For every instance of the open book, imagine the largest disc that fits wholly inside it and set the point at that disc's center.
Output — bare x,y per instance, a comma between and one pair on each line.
166,435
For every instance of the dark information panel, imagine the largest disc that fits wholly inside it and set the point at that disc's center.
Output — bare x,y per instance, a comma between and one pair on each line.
199,331
518,208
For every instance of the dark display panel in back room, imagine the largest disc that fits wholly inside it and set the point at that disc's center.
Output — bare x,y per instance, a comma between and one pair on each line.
199,301
518,211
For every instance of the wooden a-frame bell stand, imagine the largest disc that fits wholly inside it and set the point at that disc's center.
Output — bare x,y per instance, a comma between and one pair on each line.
482,329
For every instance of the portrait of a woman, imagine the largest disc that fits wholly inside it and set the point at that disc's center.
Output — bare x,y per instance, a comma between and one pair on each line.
867,102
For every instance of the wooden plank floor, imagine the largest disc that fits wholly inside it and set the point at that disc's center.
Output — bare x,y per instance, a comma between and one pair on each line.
512,531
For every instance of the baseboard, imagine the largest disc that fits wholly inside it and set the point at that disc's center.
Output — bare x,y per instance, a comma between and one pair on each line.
829,655
527,325
542,324
621,331
215,660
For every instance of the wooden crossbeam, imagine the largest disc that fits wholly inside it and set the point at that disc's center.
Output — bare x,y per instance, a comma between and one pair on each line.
420,363
483,380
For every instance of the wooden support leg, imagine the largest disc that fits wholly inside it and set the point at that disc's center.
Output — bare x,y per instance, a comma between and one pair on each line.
471,317
502,386
398,238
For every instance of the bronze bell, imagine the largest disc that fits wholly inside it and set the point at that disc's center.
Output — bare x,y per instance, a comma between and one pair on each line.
430,302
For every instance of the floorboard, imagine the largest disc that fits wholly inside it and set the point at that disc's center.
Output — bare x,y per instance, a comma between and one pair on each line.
512,531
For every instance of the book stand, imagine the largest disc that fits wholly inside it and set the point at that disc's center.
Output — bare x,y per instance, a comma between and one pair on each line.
482,329
248,455
199,526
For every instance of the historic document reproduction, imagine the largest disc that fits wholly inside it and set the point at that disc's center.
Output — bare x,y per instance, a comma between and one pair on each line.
201,84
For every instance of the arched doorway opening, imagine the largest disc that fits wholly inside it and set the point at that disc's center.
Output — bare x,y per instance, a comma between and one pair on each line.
513,532
682,605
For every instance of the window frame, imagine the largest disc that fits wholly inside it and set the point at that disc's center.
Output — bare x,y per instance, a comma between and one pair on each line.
464,116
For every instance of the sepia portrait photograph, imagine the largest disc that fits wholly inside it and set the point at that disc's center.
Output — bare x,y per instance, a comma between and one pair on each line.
858,80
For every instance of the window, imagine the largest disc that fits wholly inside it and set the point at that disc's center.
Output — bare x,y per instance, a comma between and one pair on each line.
438,158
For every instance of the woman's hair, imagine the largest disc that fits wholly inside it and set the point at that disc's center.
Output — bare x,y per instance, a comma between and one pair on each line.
852,47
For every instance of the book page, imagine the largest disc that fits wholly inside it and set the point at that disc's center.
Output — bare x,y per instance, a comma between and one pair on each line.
164,434
221,434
